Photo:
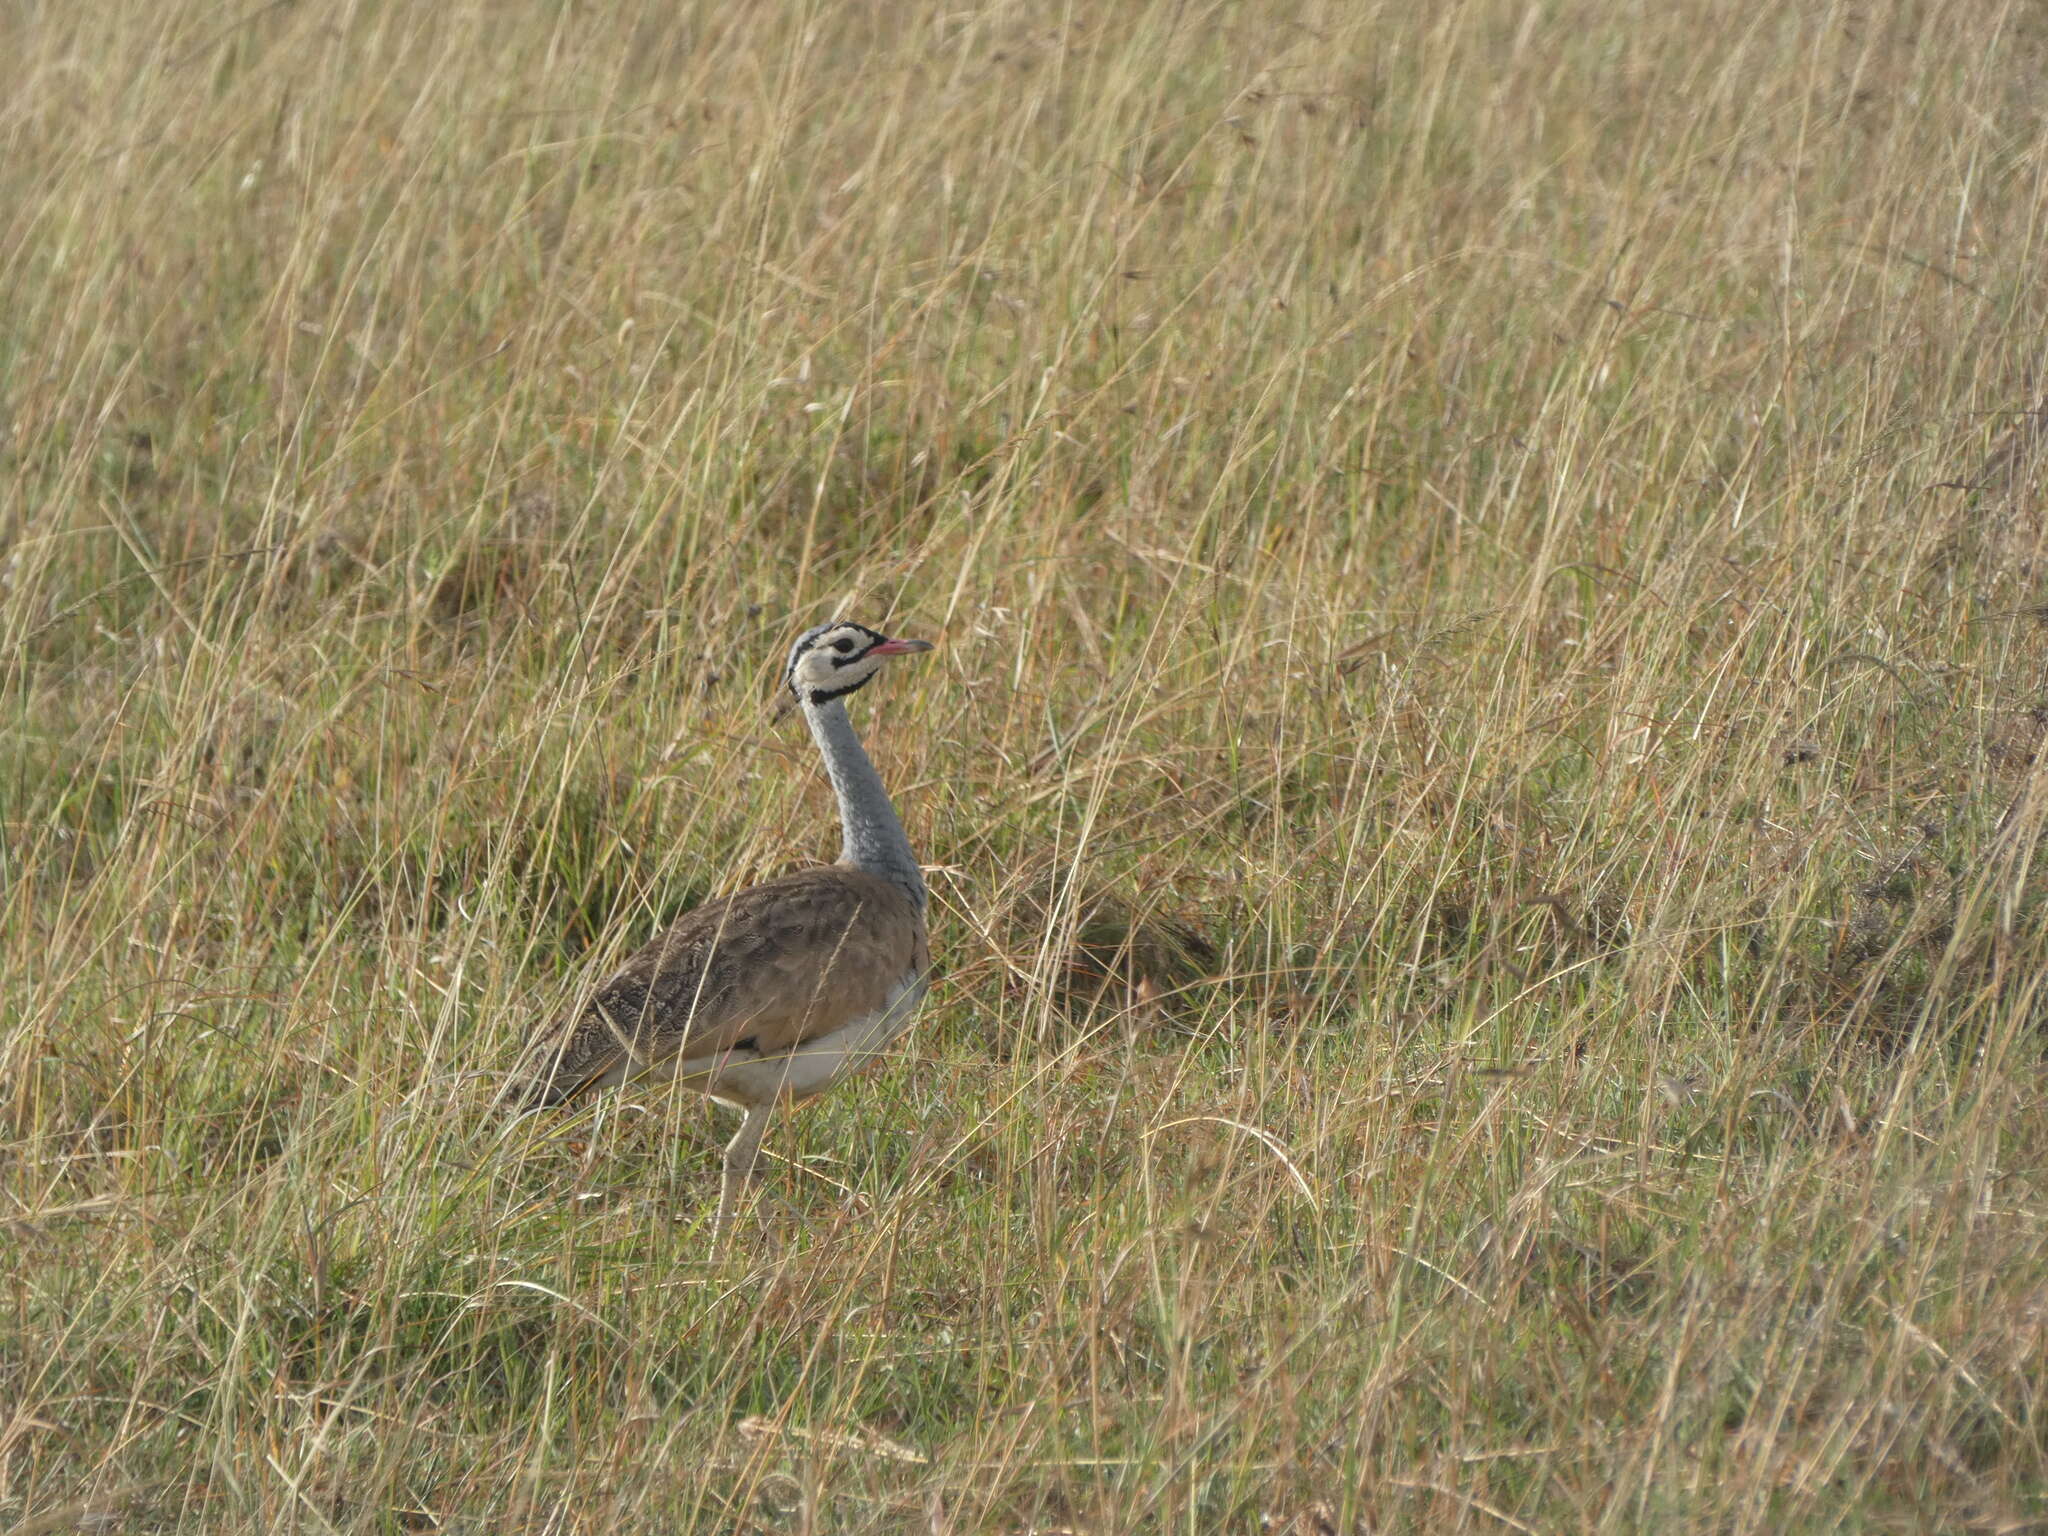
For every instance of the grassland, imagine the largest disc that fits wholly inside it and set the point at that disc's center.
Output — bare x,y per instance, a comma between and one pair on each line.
1481,772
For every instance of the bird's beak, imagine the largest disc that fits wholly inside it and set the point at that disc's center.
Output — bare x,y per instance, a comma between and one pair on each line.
900,647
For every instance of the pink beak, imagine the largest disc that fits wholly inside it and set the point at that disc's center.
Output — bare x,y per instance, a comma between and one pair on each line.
899,647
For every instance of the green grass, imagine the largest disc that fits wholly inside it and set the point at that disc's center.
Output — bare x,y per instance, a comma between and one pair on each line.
1480,772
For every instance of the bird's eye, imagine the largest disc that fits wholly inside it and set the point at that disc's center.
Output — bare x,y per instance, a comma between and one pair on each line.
843,647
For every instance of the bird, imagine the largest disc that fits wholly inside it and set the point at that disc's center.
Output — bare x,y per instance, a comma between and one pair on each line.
772,994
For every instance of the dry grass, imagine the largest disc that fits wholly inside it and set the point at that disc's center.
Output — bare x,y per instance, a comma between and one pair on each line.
1481,770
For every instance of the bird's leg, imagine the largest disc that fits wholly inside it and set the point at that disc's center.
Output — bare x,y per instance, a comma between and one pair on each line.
740,1153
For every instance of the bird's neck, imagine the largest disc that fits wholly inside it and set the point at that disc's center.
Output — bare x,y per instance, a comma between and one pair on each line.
874,837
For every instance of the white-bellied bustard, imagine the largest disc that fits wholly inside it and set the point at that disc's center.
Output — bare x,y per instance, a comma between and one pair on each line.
772,994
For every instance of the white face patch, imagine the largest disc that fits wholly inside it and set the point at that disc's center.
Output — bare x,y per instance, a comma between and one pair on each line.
834,659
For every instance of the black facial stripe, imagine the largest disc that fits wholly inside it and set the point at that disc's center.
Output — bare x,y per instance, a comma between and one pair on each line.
827,695
869,635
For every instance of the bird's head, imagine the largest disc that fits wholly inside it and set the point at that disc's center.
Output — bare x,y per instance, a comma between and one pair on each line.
836,659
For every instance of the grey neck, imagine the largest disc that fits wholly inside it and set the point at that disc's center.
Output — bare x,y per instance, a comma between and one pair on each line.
874,837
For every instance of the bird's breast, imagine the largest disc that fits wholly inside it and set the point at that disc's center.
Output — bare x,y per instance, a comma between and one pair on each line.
746,1077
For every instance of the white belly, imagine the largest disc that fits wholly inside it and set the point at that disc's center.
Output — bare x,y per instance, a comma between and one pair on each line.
744,1077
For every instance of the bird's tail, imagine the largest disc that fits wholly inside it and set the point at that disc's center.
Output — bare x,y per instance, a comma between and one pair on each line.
544,1079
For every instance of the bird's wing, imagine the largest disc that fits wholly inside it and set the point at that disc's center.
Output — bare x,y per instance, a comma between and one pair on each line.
771,967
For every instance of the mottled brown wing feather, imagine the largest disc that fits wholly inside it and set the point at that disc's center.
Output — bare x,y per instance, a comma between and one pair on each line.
776,964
